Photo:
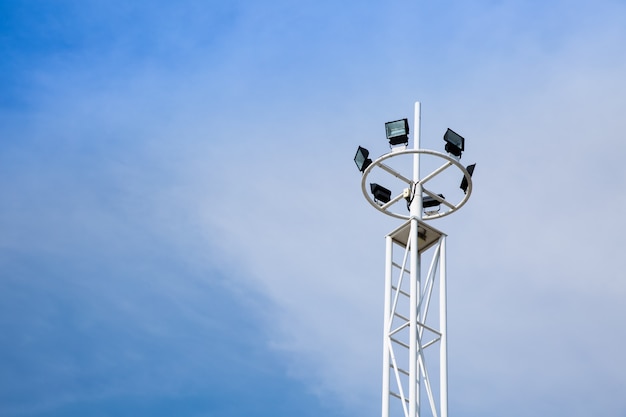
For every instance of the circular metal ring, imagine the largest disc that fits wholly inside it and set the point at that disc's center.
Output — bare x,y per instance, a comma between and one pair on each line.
385,207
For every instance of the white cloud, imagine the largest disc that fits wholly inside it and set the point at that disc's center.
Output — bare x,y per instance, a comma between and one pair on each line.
261,179
533,266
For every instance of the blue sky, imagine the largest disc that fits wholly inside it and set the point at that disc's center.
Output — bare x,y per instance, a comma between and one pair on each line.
182,230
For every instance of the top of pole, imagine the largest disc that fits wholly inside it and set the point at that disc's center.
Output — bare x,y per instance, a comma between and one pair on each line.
417,116
422,195
415,208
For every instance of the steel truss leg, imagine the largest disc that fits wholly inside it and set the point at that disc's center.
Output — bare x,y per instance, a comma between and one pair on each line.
410,338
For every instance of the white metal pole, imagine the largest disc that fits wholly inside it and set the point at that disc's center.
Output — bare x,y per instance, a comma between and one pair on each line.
416,134
416,206
443,318
414,291
387,323
415,211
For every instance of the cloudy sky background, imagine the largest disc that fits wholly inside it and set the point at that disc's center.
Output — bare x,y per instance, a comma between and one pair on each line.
182,230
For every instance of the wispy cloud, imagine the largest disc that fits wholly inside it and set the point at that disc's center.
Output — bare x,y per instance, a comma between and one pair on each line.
181,212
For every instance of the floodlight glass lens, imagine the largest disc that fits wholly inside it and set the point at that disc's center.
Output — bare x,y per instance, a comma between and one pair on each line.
395,129
360,157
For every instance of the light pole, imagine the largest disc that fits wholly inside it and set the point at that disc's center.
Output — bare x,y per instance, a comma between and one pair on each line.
411,364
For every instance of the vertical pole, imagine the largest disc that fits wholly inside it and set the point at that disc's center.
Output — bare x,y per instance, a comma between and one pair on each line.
414,291
443,328
416,212
416,206
386,323
417,132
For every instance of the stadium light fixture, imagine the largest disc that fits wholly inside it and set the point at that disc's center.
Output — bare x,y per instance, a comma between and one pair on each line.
455,143
397,132
381,194
361,158
428,201
470,171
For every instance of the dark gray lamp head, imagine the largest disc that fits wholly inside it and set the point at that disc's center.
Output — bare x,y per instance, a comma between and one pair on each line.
455,143
428,201
470,171
361,159
381,194
397,132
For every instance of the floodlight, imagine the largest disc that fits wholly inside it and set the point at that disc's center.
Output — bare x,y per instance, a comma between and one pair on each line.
428,201
381,194
397,132
361,158
470,171
455,143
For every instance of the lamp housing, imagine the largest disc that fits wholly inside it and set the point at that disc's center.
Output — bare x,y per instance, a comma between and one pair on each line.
361,159
381,194
397,132
470,171
455,143
428,201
